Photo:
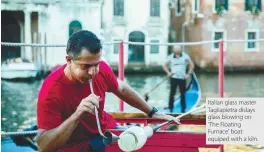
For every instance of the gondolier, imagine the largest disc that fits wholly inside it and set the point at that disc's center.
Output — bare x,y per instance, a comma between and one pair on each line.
175,66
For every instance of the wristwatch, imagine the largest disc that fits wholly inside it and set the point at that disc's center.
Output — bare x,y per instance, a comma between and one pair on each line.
152,112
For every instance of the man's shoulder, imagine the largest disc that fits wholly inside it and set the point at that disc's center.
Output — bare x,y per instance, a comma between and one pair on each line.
105,68
52,81
185,55
170,56
56,75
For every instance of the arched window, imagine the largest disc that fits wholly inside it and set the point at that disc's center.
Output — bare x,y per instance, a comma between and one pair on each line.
74,27
136,53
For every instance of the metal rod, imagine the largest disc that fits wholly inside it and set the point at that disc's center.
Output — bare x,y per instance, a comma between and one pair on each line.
96,111
178,117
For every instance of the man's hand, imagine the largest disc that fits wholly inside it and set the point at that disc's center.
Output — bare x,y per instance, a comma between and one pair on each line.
87,105
187,76
169,74
162,116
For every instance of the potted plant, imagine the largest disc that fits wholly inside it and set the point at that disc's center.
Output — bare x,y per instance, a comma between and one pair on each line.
254,9
220,9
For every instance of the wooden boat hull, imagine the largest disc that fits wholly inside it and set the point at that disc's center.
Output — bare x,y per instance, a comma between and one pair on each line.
162,140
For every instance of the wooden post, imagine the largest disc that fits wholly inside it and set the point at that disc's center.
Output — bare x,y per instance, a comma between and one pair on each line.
221,69
121,71
221,76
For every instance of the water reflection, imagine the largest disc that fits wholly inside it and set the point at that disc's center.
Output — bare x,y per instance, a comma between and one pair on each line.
19,98
18,103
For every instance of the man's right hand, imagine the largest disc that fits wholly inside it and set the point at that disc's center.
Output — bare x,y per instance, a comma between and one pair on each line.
87,105
169,74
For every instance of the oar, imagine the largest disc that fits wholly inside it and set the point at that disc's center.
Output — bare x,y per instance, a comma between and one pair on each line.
153,88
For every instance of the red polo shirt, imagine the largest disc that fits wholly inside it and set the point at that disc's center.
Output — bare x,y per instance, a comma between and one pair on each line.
59,98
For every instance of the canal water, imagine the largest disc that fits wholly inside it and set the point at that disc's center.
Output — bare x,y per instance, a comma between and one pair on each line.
18,99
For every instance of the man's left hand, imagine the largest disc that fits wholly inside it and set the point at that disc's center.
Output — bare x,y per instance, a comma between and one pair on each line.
187,76
163,116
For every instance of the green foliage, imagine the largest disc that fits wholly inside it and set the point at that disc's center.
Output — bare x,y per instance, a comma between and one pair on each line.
220,10
254,9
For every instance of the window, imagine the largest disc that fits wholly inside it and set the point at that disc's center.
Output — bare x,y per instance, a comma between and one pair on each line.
118,7
116,46
250,3
252,35
195,6
178,8
219,3
154,48
155,8
74,27
218,35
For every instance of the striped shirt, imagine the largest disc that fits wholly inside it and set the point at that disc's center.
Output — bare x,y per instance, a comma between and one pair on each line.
178,65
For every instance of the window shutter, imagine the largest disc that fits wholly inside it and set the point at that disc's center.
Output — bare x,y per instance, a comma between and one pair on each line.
246,5
226,4
259,5
122,7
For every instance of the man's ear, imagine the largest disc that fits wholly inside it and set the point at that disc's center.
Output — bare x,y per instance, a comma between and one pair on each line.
68,59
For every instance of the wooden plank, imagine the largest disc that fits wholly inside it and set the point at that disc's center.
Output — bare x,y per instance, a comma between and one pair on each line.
121,115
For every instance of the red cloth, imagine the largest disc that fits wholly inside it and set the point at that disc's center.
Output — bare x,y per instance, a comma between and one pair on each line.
59,98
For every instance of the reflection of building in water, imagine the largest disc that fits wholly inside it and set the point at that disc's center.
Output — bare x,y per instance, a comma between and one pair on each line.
46,21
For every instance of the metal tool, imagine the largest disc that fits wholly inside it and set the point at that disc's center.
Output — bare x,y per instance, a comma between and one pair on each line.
108,137
96,112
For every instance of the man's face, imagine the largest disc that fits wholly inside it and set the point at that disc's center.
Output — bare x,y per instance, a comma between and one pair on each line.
177,49
86,66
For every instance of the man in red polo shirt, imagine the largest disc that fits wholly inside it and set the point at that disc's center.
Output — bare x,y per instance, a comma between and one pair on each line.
65,109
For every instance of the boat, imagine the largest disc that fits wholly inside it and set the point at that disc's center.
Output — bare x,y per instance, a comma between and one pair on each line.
163,140
192,95
18,68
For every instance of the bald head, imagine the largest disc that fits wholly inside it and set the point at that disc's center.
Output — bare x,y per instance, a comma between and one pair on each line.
177,49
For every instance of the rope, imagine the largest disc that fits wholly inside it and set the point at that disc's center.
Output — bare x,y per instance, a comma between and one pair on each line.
19,133
31,45
46,45
132,43
172,44
243,41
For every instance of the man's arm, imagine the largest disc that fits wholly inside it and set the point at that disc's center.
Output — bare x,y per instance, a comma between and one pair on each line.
53,139
126,93
166,68
190,66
